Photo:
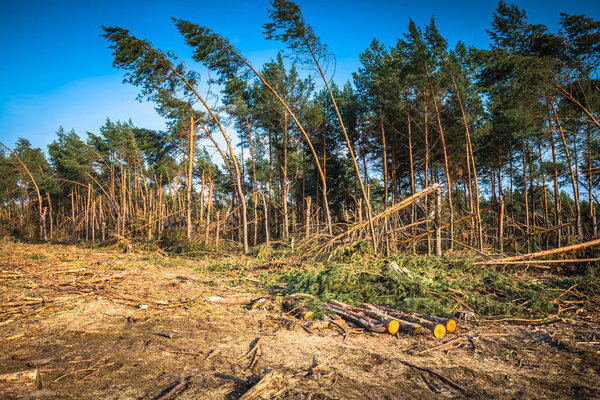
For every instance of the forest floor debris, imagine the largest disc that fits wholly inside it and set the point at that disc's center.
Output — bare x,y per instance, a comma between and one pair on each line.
87,319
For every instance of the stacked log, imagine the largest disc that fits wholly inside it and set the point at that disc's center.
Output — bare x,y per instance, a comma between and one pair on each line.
365,320
448,323
384,319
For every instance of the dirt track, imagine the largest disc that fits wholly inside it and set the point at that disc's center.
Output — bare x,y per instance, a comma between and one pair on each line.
96,323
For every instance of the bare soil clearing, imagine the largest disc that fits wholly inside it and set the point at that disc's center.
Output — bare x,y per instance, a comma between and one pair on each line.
99,324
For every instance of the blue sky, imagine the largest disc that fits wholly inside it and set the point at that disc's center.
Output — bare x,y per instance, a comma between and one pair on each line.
57,70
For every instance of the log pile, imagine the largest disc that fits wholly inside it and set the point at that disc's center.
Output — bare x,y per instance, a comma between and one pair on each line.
382,319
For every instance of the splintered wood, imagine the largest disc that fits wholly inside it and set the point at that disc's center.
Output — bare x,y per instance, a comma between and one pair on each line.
19,383
270,386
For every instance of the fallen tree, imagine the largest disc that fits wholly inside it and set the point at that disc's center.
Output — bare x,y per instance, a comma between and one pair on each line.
539,254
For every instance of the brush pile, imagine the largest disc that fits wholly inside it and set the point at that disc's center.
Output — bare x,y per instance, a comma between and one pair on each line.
382,319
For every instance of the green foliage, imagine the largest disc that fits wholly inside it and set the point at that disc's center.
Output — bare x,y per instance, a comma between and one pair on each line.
288,26
220,267
436,287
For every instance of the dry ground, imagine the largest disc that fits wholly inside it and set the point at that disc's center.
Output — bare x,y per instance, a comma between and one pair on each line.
100,324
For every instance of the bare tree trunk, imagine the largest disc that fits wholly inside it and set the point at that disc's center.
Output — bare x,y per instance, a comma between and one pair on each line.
267,224
593,221
88,212
42,212
350,149
189,178
573,179
426,199
285,185
471,163
50,214
501,225
413,187
307,217
73,222
446,164
526,197
255,200
557,220
438,222
208,209
545,198
218,220
102,222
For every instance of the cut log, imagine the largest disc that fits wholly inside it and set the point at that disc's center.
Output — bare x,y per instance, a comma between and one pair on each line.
408,323
449,323
270,386
438,329
296,310
18,384
390,326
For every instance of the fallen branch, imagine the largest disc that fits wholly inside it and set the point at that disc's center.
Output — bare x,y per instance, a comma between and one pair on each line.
171,393
544,253
530,262
251,351
440,377
431,232
540,231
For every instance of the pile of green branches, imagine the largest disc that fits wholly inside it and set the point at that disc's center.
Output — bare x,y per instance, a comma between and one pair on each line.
440,287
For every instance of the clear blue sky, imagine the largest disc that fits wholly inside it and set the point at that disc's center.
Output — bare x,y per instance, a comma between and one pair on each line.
56,69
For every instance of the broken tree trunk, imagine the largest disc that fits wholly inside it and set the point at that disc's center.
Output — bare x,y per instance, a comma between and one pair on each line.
394,209
18,384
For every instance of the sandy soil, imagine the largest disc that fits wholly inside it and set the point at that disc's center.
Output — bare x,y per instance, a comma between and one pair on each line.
100,324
